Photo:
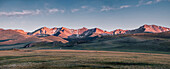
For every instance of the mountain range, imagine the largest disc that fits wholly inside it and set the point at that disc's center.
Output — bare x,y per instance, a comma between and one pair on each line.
84,32
44,34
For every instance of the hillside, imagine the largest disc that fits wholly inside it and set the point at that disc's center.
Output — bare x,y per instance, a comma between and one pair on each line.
140,42
55,38
14,39
144,38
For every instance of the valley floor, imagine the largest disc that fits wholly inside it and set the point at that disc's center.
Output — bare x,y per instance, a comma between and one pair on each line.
81,59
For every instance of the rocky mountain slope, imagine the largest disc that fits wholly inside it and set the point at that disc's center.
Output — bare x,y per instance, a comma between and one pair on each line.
149,29
57,34
84,32
9,37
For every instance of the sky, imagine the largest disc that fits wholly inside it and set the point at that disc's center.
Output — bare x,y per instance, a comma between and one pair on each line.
109,15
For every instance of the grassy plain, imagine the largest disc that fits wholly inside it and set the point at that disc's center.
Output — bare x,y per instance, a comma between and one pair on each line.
81,59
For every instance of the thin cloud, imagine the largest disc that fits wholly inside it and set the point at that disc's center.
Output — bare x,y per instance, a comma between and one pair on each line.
143,2
22,13
158,0
30,12
140,3
74,10
124,6
55,10
62,11
106,8
149,2
91,9
83,7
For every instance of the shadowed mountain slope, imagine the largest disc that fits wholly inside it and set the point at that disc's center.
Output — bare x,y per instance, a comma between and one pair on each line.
139,42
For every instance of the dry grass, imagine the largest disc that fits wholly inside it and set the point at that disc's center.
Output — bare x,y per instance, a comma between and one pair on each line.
81,59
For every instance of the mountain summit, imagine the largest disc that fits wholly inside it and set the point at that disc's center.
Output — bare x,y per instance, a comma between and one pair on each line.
84,32
149,29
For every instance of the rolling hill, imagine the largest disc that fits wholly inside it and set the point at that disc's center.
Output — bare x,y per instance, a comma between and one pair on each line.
14,39
139,42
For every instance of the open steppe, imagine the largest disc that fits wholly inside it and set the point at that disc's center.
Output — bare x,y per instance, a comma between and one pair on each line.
81,59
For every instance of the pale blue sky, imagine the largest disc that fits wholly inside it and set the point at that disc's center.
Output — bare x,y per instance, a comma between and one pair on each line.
105,14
